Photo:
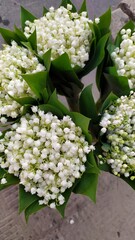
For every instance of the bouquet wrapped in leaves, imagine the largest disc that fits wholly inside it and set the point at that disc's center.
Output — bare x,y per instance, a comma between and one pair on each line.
51,150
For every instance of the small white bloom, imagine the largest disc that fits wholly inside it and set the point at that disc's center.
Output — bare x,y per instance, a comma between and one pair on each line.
3,181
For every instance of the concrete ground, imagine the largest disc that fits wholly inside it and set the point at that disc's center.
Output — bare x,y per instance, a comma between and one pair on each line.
113,216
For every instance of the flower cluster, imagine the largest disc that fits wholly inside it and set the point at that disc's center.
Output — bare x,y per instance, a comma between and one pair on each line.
47,154
15,61
119,124
63,31
124,56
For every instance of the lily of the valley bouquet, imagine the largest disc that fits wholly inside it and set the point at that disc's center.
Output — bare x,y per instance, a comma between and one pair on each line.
51,150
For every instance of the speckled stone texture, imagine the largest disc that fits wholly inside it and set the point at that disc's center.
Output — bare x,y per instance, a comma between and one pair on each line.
113,216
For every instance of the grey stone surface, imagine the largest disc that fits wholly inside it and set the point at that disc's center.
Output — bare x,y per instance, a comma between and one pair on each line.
113,216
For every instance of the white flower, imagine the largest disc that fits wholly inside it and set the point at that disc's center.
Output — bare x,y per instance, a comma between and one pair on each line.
46,162
120,134
15,61
63,31
124,56
3,181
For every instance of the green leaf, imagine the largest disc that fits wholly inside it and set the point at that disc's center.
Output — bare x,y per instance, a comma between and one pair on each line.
25,198
26,15
20,34
47,60
11,180
92,167
25,100
53,100
97,57
45,10
87,104
65,2
118,84
33,208
108,101
63,65
33,40
105,21
37,82
2,172
83,122
8,35
83,7
49,108
88,186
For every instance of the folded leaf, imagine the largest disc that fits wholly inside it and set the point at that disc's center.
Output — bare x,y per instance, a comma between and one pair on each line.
37,82
97,57
88,185
25,198
105,21
108,101
49,108
56,103
87,104
26,15
83,122
33,40
11,180
83,7
47,60
9,36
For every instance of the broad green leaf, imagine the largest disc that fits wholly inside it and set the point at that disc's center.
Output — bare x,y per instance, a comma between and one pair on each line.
65,2
8,35
25,100
33,208
27,45
87,104
56,103
97,57
25,198
88,186
63,65
47,59
105,21
45,10
11,180
118,39
108,101
118,84
83,7
83,122
20,34
37,82
50,108
26,15
92,161
45,95
33,40
63,76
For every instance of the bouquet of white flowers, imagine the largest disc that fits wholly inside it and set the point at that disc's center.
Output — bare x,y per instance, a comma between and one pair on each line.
46,148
